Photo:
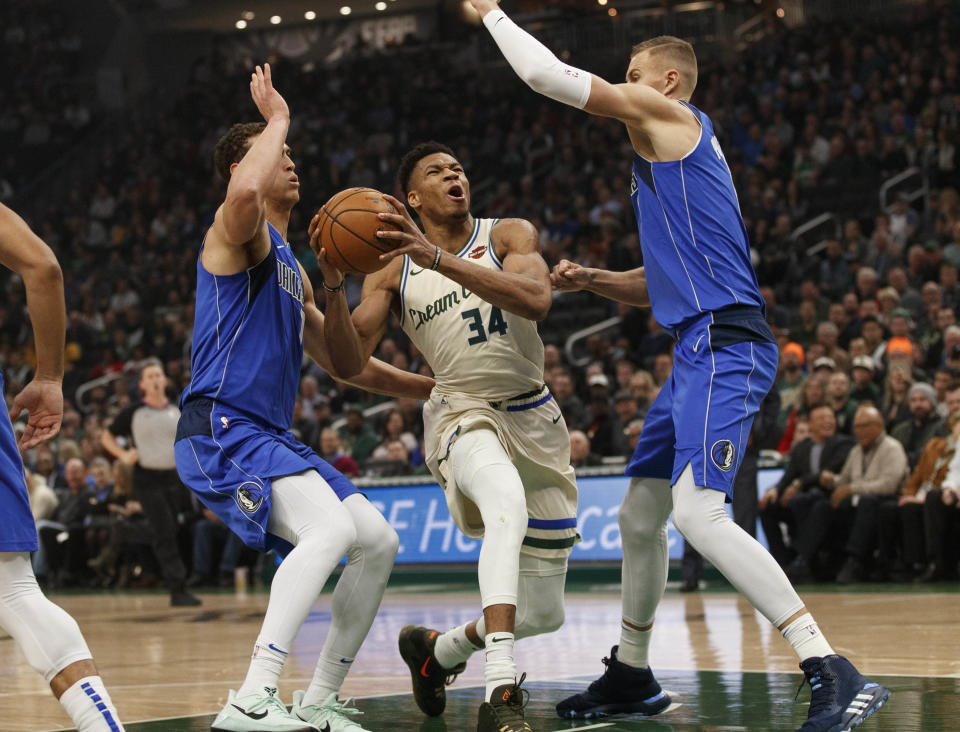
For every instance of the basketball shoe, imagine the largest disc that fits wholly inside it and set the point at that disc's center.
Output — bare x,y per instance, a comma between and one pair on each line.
840,697
504,711
261,711
331,716
621,690
429,677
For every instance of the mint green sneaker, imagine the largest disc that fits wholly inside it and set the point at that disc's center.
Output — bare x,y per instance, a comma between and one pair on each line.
331,716
261,711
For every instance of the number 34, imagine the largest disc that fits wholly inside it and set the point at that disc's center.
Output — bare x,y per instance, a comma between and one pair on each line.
496,324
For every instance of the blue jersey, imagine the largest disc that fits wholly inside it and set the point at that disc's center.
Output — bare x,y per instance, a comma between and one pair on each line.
696,255
248,337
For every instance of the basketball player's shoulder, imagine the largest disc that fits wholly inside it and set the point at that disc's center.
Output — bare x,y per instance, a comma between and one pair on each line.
515,234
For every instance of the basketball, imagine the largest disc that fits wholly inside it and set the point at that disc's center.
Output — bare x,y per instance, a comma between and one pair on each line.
348,230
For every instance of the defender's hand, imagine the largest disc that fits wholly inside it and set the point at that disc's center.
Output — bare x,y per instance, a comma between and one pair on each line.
568,276
44,401
267,99
409,240
483,6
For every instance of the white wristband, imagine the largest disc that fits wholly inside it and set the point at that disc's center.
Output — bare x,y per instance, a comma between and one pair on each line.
535,63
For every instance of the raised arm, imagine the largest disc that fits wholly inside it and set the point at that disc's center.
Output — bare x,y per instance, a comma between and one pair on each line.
637,105
628,287
522,288
26,254
242,214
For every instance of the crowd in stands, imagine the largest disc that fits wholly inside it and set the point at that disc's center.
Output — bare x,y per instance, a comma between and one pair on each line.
811,120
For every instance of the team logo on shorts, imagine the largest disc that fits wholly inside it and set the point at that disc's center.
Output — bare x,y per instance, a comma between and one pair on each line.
250,496
722,454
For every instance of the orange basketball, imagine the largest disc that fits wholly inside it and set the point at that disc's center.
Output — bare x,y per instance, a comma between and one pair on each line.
348,230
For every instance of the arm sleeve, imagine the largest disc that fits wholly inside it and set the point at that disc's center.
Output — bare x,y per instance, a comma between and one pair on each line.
535,63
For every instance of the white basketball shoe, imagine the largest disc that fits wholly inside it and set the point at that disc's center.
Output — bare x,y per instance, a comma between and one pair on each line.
261,711
331,716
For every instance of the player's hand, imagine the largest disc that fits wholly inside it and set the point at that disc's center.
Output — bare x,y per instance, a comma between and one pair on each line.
332,277
267,99
44,401
483,6
409,240
569,276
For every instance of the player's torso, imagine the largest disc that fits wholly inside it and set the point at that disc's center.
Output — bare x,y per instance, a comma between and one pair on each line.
248,336
696,254
154,430
473,347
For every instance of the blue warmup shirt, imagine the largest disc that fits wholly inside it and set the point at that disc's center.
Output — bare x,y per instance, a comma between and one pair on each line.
696,254
248,337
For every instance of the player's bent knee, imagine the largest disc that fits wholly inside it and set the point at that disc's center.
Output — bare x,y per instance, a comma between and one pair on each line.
539,621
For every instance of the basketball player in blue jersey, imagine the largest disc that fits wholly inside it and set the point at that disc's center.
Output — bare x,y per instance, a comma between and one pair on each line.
468,293
698,279
47,635
255,317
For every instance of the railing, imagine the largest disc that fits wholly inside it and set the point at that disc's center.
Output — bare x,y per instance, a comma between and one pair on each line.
912,195
86,387
818,222
580,335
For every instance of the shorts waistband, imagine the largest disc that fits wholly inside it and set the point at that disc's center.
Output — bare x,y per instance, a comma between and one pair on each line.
522,402
733,315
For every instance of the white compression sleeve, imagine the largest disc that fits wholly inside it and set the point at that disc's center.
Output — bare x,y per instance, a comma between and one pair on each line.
535,63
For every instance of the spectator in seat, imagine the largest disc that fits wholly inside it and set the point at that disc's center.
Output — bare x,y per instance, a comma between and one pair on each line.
941,522
331,452
580,454
394,428
864,389
838,397
824,451
895,403
209,534
811,395
915,433
356,436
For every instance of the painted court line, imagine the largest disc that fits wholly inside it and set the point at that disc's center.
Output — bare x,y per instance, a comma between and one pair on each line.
592,726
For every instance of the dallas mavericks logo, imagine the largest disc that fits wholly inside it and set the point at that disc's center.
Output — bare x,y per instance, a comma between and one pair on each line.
722,454
249,496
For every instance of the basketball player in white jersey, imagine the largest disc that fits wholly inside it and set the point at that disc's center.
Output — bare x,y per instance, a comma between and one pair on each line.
468,292
47,635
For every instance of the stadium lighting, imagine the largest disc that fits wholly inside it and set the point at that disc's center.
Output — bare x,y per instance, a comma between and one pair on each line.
248,15
310,15
275,19
241,24
612,12
780,12
601,2
381,5
346,10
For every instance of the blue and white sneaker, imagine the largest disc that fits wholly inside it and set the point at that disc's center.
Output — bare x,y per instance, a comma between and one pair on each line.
840,697
622,689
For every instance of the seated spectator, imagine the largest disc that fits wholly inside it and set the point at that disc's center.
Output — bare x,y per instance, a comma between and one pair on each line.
394,428
790,379
895,403
574,412
811,395
625,405
941,521
824,451
64,540
905,520
580,454
210,535
643,390
331,452
915,433
838,397
395,462
864,387
605,431
632,433
356,435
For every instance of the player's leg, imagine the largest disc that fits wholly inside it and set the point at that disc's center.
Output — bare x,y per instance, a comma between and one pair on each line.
356,600
739,376
627,684
53,645
306,512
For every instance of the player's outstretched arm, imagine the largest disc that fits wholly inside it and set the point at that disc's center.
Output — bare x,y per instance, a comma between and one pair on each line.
26,254
522,288
635,104
241,216
347,355
628,287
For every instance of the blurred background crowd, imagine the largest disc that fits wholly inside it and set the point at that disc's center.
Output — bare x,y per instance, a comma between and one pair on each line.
841,138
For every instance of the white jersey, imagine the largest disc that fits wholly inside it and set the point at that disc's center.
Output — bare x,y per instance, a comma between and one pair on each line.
473,347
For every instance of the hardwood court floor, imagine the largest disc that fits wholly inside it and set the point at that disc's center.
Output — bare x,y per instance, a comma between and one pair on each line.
728,667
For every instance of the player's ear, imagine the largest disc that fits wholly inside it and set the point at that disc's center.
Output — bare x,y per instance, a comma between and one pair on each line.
413,199
672,82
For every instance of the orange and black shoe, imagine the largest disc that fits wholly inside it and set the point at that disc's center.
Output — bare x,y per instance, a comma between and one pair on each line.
429,677
504,711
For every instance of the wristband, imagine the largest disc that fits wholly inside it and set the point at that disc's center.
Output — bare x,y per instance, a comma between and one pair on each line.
338,288
436,260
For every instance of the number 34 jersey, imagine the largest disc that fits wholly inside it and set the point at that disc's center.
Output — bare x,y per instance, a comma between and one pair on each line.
473,347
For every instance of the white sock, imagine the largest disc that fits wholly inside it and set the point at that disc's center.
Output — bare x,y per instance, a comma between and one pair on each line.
499,668
805,637
454,647
328,677
89,706
266,663
634,645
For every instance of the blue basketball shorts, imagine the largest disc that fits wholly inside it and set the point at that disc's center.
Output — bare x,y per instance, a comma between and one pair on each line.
229,459
724,365
18,531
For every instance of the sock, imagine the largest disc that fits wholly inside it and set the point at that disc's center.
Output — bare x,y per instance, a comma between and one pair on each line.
499,668
266,663
328,677
453,647
90,707
633,646
805,637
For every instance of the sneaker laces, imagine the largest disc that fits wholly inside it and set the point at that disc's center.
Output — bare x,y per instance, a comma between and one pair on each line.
822,691
340,708
270,703
512,710
600,685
